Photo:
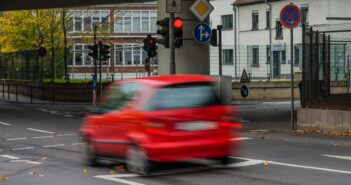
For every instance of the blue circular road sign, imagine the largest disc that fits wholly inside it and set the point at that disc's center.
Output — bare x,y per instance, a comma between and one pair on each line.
202,33
244,91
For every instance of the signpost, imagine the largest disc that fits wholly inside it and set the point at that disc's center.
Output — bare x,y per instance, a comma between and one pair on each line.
290,17
201,9
244,91
174,6
202,33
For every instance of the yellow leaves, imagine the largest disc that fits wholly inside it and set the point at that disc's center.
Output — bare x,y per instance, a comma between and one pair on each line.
118,169
4,178
345,133
85,171
265,163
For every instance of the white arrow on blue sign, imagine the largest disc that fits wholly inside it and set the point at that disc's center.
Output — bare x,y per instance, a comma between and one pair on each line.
202,33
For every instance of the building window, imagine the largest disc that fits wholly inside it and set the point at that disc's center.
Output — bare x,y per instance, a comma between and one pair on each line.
297,56
255,56
119,55
81,57
87,20
135,21
78,55
279,30
227,22
227,57
77,21
268,19
129,55
283,57
255,20
268,54
304,14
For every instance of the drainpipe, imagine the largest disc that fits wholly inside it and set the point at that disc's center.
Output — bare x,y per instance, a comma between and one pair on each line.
270,39
235,42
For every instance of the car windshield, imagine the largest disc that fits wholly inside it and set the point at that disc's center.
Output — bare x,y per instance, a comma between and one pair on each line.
192,95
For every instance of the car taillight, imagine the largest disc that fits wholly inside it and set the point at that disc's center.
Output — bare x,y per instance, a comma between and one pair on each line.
231,125
155,128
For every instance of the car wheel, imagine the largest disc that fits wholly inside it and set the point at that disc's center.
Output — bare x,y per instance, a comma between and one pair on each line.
137,161
90,158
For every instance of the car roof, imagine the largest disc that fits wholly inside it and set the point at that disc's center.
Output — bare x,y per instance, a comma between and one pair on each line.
165,80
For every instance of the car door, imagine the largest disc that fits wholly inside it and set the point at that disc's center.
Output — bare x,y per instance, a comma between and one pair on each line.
113,129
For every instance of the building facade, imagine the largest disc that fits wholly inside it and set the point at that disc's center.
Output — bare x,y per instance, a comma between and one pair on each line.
262,46
123,27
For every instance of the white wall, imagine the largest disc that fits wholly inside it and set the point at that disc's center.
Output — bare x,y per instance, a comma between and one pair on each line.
222,7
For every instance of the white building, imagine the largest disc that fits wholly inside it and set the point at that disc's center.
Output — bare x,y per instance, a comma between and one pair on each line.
251,24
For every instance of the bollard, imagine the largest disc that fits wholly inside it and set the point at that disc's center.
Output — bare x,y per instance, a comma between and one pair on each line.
31,94
16,93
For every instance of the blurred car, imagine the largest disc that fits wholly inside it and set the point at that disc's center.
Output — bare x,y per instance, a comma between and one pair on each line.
160,119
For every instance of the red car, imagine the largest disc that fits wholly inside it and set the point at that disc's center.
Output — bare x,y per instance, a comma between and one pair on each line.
160,119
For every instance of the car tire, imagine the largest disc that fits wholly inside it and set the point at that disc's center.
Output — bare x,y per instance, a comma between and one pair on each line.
90,157
137,161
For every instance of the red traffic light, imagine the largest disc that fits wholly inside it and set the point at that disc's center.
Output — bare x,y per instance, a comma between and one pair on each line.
152,41
178,23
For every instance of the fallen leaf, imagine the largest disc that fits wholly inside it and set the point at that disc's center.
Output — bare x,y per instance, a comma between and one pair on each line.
265,163
119,169
85,171
32,173
44,158
4,178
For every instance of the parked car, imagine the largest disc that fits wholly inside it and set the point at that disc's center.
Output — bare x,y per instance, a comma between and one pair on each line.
160,119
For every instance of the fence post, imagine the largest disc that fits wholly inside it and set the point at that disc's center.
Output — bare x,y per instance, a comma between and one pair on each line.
3,90
16,93
310,88
328,65
53,95
8,91
31,94
324,67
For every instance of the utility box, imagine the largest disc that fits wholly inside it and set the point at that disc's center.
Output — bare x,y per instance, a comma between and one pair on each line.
224,87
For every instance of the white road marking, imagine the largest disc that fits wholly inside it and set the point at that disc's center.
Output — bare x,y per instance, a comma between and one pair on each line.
43,131
299,166
240,138
118,177
60,135
26,148
16,139
339,157
25,161
44,110
6,124
50,146
74,144
42,137
9,157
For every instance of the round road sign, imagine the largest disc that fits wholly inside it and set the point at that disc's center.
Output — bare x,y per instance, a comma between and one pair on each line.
244,91
290,16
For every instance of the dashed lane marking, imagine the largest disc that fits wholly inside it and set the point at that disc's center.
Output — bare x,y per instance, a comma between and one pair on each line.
51,146
43,131
240,139
74,144
60,135
338,157
9,157
6,124
25,148
43,137
16,139
25,161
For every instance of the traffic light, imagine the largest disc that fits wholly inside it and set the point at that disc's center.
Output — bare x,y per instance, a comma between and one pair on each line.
178,32
150,46
214,40
93,53
105,52
164,31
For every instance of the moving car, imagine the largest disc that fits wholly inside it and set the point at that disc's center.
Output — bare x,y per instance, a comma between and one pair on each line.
160,119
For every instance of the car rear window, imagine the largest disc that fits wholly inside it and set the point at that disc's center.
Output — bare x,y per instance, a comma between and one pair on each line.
193,95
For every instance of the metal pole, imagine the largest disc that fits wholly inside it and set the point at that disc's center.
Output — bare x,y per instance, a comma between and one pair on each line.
172,46
235,44
219,28
292,77
100,70
270,40
95,70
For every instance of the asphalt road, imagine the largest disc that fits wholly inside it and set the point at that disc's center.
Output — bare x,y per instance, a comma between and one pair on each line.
39,145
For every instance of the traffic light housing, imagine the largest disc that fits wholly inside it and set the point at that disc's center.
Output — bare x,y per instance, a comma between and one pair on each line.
164,31
93,51
214,39
150,46
105,51
178,32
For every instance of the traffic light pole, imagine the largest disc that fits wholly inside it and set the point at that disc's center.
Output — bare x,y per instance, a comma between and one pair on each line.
219,28
100,69
172,45
95,69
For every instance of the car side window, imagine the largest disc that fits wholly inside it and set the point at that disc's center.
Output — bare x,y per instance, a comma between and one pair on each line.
120,96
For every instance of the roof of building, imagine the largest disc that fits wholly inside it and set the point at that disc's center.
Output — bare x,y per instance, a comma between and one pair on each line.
250,2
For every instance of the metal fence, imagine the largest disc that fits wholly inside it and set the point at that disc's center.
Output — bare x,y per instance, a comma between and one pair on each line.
326,63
